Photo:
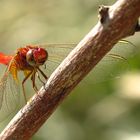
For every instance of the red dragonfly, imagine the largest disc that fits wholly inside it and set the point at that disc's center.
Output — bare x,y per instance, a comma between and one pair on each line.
28,60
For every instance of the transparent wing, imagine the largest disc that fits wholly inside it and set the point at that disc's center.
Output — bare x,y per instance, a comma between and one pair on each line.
119,54
9,95
9,88
56,54
114,63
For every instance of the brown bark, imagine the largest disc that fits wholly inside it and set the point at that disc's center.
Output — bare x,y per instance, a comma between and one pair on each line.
116,22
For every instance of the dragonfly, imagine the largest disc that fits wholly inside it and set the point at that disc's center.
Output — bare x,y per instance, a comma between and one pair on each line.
29,60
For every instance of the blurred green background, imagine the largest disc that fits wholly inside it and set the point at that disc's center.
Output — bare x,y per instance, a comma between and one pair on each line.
105,105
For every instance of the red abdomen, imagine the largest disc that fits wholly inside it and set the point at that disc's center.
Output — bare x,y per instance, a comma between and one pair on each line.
5,59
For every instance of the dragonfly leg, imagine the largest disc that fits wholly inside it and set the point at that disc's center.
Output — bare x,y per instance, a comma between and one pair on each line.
40,78
43,74
33,82
24,80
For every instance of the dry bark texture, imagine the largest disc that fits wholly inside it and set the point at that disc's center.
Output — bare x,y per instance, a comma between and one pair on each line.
116,22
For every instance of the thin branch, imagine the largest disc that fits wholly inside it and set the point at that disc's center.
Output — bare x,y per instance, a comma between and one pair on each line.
119,21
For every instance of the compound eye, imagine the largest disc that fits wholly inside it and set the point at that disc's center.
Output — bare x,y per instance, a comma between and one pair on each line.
30,58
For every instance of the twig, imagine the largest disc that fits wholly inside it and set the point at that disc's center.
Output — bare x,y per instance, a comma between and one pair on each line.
118,22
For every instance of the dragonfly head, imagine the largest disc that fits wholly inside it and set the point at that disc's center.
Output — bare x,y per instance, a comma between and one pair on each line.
36,56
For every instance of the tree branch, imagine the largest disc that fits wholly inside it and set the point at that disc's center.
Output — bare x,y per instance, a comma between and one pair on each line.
117,22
